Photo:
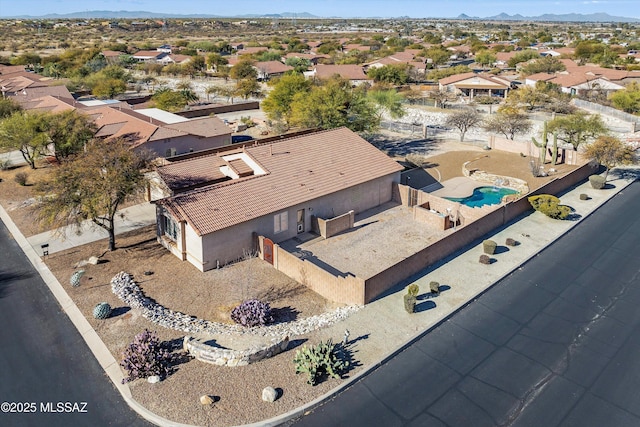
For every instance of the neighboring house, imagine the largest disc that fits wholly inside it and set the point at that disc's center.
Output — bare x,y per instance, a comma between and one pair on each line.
166,48
174,58
313,58
23,87
269,69
275,189
252,49
471,85
406,57
354,73
149,56
160,132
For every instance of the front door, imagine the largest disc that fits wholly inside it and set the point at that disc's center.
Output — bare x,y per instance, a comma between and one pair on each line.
300,221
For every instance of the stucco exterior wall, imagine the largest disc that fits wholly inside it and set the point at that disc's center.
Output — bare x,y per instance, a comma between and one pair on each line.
227,245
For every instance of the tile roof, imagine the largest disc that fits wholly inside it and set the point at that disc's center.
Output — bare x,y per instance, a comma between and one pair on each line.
272,67
347,71
202,126
298,169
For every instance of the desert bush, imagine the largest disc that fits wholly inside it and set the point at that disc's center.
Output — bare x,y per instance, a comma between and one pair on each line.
102,310
584,196
5,164
489,247
413,290
75,278
511,242
550,206
324,358
597,181
21,178
252,312
485,259
146,357
434,287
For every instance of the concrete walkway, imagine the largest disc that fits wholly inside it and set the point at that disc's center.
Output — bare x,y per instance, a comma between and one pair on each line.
127,219
382,328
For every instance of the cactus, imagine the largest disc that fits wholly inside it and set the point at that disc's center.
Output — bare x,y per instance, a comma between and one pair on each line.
323,358
542,145
75,278
102,310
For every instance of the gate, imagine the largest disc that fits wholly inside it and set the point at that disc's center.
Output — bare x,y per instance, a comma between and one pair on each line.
267,246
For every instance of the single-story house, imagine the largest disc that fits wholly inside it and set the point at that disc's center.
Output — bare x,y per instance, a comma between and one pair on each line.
160,132
269,69
275,189
149,55
471,85
354,73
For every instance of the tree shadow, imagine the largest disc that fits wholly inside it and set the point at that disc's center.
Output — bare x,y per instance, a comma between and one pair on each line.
625,173
424,306
273,294
9,277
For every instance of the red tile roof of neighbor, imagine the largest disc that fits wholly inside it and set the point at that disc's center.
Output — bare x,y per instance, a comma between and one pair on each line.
272,67
298,170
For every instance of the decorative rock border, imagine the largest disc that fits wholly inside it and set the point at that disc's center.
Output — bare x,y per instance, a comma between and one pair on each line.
225,357
517,184
125,288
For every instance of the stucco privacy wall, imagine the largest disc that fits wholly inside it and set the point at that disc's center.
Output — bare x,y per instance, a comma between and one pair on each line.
354,290
330,227
347,289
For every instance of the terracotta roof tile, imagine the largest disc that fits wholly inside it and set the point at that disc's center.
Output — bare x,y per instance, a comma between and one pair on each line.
297,169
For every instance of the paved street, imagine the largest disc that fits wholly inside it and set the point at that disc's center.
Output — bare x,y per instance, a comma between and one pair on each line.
44,360
556,343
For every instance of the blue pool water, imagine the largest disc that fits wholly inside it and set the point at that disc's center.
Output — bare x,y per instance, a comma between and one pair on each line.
484,196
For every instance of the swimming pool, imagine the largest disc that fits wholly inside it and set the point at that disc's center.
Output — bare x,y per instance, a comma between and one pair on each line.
484,196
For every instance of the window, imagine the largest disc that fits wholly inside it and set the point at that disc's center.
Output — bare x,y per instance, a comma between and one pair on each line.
281,222
170,227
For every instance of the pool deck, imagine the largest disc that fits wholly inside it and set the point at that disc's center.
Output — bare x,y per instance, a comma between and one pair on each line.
457,187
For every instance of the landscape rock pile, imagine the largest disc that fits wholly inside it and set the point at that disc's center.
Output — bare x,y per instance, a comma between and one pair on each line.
125,288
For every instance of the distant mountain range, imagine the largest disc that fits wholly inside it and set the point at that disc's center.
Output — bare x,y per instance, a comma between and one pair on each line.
125,14
550,17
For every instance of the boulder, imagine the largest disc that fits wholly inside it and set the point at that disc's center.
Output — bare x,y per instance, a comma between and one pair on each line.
205,399
93,260
153,379
269,394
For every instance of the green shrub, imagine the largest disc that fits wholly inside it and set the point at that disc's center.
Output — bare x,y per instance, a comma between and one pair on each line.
413,290
21,178
550,206
597,181
489,247
434,287
324,358
5,164
584,196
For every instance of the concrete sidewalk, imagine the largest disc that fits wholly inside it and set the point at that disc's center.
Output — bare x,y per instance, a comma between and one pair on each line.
127,219
382,328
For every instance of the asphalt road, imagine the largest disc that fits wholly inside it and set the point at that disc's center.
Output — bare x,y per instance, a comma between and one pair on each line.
48,376
556,343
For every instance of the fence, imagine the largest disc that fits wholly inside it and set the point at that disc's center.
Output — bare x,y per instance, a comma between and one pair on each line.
634,121
350,289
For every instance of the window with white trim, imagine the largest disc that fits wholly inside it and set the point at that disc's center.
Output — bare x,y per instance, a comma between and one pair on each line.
281,222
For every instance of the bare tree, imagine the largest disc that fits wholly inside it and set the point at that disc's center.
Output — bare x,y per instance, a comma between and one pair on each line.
463,120
509,122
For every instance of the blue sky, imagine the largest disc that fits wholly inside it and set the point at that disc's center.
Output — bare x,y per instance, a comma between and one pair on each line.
326,8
